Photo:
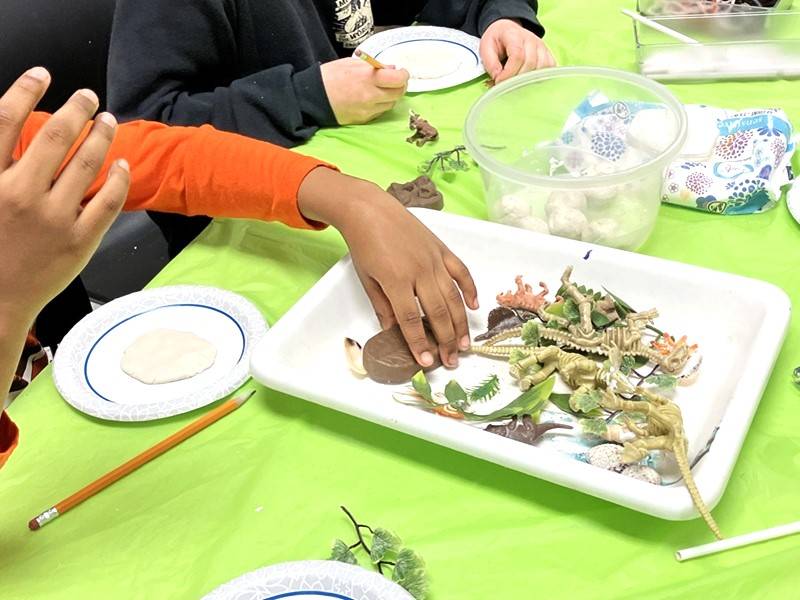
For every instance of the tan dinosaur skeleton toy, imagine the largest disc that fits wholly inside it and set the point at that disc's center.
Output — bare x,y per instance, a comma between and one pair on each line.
627,338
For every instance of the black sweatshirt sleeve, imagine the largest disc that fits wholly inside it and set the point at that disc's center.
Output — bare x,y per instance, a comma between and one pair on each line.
168,57
475,16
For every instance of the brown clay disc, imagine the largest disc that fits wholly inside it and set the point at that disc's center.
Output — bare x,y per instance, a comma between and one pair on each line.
387,358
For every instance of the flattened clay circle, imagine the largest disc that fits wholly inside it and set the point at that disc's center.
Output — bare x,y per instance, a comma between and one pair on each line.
387,358
167,355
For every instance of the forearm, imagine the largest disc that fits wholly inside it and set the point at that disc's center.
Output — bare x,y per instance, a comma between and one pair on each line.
522,11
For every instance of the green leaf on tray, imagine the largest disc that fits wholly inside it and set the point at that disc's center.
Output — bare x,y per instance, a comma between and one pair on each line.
662,381
516,356
485,390
571,312
527,403
556,308
384,544
628,364
562,402
341,553
597,427
530,333
409,572
587,401
455,394
623,308
420,384
599,320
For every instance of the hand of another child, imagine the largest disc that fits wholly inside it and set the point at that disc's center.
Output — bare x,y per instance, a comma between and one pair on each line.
398,261
47,233
506,41
359,93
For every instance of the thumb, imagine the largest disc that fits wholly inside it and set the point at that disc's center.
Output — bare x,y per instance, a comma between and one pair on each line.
490,58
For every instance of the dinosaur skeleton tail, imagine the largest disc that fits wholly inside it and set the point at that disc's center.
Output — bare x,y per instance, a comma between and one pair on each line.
683,464
496,351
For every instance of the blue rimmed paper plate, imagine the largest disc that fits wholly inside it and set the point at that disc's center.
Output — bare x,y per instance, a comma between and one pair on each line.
310,580
436,57
87,368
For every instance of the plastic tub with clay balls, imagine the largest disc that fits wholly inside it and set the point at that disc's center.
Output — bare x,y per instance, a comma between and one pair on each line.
601,183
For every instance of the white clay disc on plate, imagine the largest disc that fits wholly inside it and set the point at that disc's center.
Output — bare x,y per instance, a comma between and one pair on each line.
166,355
424,62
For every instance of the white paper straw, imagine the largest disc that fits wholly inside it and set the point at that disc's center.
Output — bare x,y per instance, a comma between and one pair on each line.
738,542
659,27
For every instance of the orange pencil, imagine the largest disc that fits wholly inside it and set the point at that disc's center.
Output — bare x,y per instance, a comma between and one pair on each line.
376,64
137,461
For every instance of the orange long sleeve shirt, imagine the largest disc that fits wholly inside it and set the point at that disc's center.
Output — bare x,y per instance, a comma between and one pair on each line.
193,171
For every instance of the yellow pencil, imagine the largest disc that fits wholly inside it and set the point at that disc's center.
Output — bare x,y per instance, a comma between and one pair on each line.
375,64
139,460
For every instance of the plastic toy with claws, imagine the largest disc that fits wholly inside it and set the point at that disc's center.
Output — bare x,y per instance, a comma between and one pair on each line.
525,299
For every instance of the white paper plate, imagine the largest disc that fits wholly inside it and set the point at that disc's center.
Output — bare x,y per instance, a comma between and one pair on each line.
436,57
793,201
87,369
310,580
738,322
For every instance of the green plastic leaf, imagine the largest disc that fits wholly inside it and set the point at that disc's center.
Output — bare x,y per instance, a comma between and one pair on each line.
384,544
455,394
556,308
597,427
562,402
409,572
628,364
587,401
662,381
485,390
341,553
528,403
530,333
623,308
420,384
599,320
516,356
571,311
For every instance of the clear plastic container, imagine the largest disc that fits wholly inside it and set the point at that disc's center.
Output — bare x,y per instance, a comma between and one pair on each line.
596,179
754,45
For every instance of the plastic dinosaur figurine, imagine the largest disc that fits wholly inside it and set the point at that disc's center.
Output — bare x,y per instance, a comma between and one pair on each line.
584,304
662,430
424,132
578,372
525,299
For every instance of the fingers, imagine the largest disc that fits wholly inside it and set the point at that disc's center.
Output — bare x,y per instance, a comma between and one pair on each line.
15,107
460,273
380,303
55,139
490,57
455,304
100,212
516,58
406,311
440,320
83,167
391,79
545,57
532,57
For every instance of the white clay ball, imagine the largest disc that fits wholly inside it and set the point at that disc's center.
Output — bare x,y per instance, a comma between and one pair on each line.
513,208
606,456
534,224
642,473
567,222
565,199
602,230
600,197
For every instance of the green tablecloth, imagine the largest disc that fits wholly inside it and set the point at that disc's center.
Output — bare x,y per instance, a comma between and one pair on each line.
264,485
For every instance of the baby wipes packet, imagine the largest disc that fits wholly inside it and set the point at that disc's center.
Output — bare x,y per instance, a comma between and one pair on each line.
733,163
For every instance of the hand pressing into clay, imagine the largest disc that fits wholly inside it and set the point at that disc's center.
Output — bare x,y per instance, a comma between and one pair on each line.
398,261
359,93
508,49
47,233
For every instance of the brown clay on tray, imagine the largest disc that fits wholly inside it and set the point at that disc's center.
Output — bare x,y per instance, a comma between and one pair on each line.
387,358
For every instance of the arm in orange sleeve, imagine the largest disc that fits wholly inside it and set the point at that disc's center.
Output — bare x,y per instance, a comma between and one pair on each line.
9,436
201,171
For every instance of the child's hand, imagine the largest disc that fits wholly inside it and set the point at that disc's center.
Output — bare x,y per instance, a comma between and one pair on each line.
359,93
398,261
47,234
522,51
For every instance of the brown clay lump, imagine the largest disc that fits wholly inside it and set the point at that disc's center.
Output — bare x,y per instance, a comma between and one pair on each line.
421,193
388,359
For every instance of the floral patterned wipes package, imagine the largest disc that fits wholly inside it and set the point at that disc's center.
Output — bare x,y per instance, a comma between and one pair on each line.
733,163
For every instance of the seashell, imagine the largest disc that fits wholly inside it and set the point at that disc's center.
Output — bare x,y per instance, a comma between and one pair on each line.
606,456
354,354
642,473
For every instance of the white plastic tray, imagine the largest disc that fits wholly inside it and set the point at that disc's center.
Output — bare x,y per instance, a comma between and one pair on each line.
739,323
